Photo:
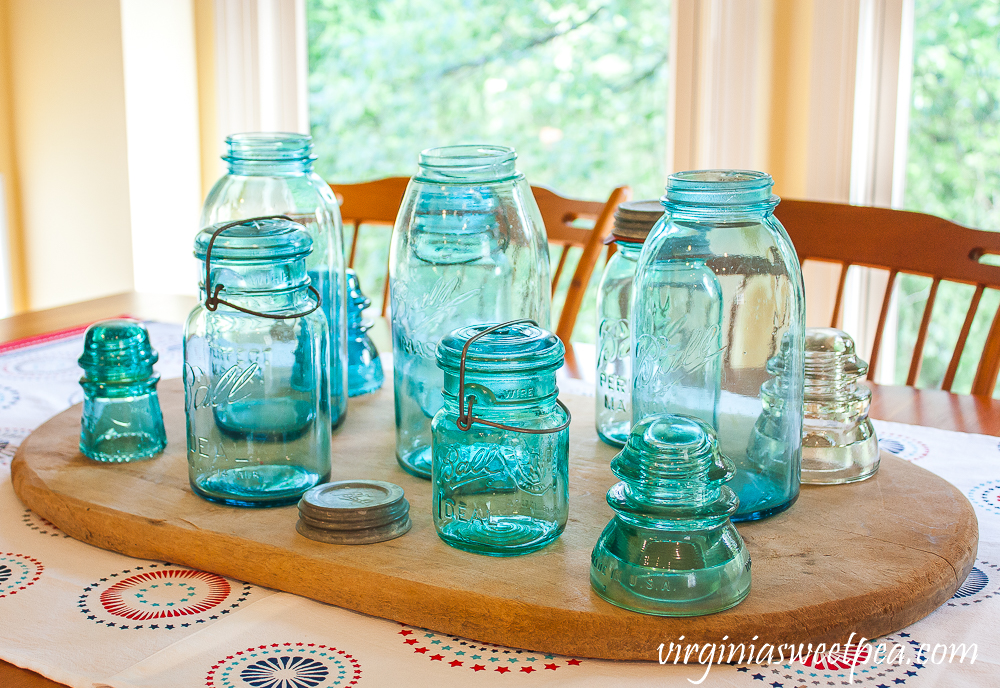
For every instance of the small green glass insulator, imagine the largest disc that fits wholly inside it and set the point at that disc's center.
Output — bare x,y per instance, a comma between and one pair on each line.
671,549
121,419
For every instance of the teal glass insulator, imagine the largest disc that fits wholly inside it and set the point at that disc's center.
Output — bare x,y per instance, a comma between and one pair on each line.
364,369
272,174
671,549
121,419
256,389
500,491
613,416
717,290
468,247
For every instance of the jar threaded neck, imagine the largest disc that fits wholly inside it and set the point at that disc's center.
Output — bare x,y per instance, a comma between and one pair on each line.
284,151
467,164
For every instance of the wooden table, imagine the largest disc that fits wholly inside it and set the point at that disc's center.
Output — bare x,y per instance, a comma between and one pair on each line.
931,408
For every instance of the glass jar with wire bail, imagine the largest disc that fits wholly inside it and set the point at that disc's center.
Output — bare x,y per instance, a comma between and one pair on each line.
271,173
633,220
501,441
468,247
257,395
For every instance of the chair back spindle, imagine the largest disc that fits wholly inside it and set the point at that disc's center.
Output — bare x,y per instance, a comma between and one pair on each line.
903,242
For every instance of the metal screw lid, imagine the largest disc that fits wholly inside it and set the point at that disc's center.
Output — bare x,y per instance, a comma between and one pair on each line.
354,512
634,220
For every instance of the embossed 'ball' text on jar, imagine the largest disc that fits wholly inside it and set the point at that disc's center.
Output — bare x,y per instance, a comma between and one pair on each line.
468,246
501,441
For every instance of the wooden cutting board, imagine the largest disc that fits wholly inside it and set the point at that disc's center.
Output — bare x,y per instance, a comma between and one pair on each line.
869,558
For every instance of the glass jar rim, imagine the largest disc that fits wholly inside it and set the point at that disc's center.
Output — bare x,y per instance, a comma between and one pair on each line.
263,146
467,163
719,187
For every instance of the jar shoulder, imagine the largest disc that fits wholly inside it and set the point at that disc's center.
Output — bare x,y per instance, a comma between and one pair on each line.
236,196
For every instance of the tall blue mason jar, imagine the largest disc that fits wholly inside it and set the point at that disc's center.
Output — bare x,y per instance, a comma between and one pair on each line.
272,174
256,356
468,247
500,491
717,290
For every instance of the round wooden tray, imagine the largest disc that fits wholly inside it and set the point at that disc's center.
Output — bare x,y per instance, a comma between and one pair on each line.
868,558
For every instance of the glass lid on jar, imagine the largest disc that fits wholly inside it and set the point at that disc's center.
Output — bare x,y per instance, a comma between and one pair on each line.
514,348
254,240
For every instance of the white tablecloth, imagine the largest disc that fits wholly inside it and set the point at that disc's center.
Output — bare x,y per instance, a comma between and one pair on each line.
87,617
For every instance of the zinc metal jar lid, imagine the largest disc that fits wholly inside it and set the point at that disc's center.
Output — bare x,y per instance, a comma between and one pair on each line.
635,219
354,512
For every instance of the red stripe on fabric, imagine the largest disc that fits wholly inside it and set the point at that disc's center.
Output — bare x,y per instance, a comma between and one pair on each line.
51,336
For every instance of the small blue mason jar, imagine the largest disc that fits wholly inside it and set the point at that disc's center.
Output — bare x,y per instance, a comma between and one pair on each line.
121,412
501,442
717,290
256,357
468,246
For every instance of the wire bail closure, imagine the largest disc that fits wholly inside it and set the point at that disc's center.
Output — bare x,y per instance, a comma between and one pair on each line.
212,300
466,419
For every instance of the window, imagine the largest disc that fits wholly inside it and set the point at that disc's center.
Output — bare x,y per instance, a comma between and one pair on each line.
952,169
579,89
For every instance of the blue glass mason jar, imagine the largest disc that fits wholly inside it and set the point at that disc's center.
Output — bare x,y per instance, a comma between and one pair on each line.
272,174
468,246
501,440
613,415
718,288
256,356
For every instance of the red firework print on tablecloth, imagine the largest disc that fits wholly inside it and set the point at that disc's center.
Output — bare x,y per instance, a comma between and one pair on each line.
161,596
18,572
845,659
285,665
460,653
114,602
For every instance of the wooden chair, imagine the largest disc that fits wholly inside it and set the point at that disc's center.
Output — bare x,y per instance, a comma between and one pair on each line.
903,242
370,203
561,216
